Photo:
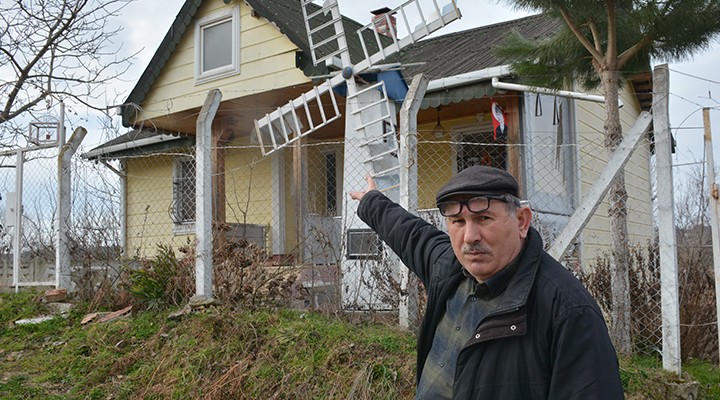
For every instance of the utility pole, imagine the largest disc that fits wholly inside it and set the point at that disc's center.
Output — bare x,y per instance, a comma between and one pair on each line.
714,210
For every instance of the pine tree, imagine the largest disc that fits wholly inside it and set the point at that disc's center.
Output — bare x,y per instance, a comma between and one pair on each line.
600,43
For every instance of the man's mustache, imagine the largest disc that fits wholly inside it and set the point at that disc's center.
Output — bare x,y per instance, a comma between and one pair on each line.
475,248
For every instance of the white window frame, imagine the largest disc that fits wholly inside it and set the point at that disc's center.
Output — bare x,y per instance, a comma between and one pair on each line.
222,16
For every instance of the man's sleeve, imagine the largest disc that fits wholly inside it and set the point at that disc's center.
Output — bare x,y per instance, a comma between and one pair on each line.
417,243
585,364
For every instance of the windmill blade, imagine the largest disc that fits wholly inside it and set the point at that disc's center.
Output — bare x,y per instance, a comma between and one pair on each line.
406,24
299,117
324,27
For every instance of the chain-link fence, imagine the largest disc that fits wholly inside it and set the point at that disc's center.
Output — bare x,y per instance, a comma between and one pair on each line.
94,237
30,175
291,205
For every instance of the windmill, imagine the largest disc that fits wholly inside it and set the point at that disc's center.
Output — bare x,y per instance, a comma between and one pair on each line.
370,122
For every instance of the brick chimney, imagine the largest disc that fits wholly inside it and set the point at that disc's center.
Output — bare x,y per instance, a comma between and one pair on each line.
380,21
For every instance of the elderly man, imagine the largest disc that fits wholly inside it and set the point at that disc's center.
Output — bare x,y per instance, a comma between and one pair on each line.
504,320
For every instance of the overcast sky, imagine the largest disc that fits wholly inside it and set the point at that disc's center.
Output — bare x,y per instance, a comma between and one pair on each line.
694,84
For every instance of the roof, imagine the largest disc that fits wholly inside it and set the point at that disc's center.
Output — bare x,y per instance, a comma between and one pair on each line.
150,140
286,15
443,56
471,50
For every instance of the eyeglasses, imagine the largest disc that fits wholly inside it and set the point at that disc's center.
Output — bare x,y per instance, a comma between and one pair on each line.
477,204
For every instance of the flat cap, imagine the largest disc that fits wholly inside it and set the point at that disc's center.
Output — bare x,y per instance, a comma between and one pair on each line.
479,180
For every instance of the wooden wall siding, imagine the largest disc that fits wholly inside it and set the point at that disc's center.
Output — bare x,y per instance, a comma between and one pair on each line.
149,196
434,164
596,237
248,187
267,62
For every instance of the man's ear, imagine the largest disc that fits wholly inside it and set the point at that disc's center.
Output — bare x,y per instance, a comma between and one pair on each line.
524,216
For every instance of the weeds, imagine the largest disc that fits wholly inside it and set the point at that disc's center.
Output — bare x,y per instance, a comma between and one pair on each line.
697,305
231,353
241,277
163,281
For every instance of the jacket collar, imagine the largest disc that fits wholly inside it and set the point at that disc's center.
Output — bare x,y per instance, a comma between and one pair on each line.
521,282
496,284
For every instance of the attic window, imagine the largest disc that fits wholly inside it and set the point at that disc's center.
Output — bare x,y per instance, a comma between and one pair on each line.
217,45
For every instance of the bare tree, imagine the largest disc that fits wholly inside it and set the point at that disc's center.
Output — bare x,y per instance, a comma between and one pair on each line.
61,49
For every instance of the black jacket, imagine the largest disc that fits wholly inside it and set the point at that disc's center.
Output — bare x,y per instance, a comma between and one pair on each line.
547,338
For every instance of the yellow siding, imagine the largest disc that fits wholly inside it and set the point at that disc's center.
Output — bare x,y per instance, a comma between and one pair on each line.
434,164
248,187
149,196
596,237
267,62
248,198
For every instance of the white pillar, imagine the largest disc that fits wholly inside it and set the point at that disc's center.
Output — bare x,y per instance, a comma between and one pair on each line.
17,231
666,223
714,210
63,278
203,195
409,183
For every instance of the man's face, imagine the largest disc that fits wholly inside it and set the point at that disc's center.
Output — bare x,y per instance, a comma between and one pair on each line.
487,241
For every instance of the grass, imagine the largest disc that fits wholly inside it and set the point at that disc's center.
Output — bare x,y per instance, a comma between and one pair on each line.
223,353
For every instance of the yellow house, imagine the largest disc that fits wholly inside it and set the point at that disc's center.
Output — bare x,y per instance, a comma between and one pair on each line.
256,53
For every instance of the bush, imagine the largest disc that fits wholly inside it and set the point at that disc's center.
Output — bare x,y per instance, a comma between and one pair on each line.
644,274
163,281
698,331
242,276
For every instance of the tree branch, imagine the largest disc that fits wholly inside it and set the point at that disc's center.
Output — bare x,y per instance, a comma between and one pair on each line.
596,55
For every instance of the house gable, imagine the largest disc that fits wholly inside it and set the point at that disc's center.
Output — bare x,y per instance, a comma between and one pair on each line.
267,62
274,64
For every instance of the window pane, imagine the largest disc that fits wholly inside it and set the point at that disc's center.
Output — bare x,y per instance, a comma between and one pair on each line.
480,149
217,46
185,192
330,183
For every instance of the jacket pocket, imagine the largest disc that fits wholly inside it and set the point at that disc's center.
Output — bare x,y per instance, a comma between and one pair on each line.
501,326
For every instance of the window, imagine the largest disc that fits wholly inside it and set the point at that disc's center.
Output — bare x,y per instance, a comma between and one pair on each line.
363,244
183,203
549,154
217,45
475,145
331,185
